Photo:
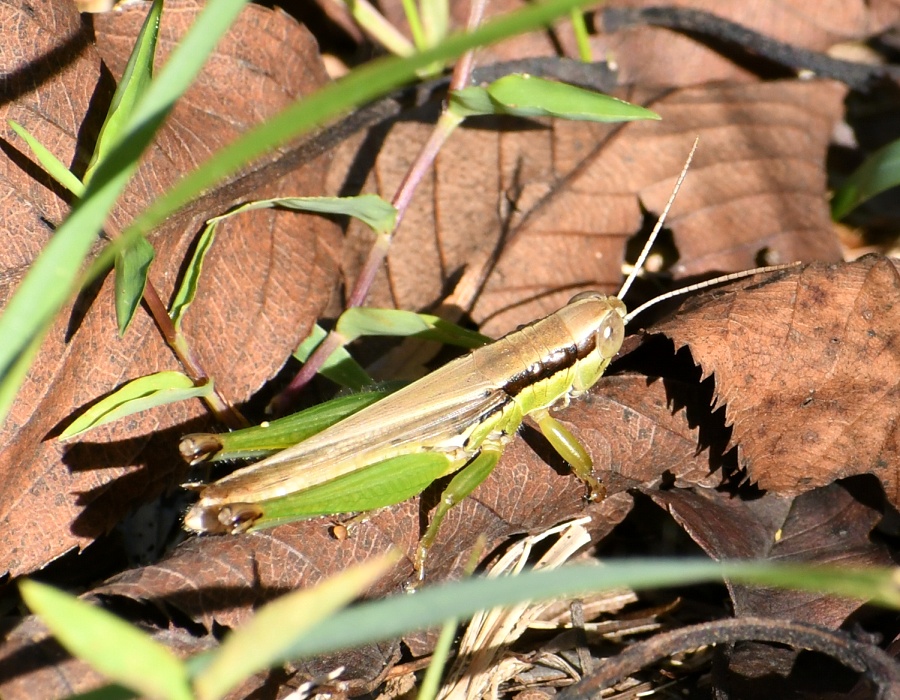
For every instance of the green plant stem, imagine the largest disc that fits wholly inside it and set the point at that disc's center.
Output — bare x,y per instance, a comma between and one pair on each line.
378,28
579,27
415,24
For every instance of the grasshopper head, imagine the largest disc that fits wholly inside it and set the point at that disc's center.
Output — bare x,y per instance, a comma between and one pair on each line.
609,312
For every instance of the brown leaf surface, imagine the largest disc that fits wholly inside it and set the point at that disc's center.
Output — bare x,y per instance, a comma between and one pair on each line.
828,525
268,275
755,189
655,56
806,364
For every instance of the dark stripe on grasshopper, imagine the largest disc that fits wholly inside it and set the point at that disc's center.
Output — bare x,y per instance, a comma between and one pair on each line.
557,360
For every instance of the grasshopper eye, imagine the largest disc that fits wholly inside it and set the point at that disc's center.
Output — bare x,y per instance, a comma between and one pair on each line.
610,334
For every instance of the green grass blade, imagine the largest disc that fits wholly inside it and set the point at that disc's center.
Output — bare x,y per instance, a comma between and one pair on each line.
132,267
398,615
135,396
435,20
118,650
377,27
263,641
371,209
582,36
878,173
133,85
48,161
132,264
187,290
431,682
528,96
361,321
52,278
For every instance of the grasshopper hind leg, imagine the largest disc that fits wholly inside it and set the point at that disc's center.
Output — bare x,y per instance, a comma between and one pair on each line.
571,450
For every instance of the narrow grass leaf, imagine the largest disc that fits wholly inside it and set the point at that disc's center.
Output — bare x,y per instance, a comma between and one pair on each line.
264,641
118,650
371,209
190,283
523,95
398,615
133,86
132,268
435,20
133,263
135,396
878,173
49,162
431,682
360,321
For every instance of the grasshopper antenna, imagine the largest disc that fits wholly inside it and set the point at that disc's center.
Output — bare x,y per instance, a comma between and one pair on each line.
709,283
659,224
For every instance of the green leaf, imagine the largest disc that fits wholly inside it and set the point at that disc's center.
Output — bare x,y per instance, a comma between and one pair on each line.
523,95
361,321
878,173
264,641
184,297
48,161
107,692
135,396
435,20
371,209
120,651
132,266
131,88
400,614
340,367
133,263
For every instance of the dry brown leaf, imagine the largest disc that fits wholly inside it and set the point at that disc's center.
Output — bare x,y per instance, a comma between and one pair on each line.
756,188
268,275
654,56
806,366
829,525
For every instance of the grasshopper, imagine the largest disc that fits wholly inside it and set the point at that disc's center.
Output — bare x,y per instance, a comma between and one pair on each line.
457,420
